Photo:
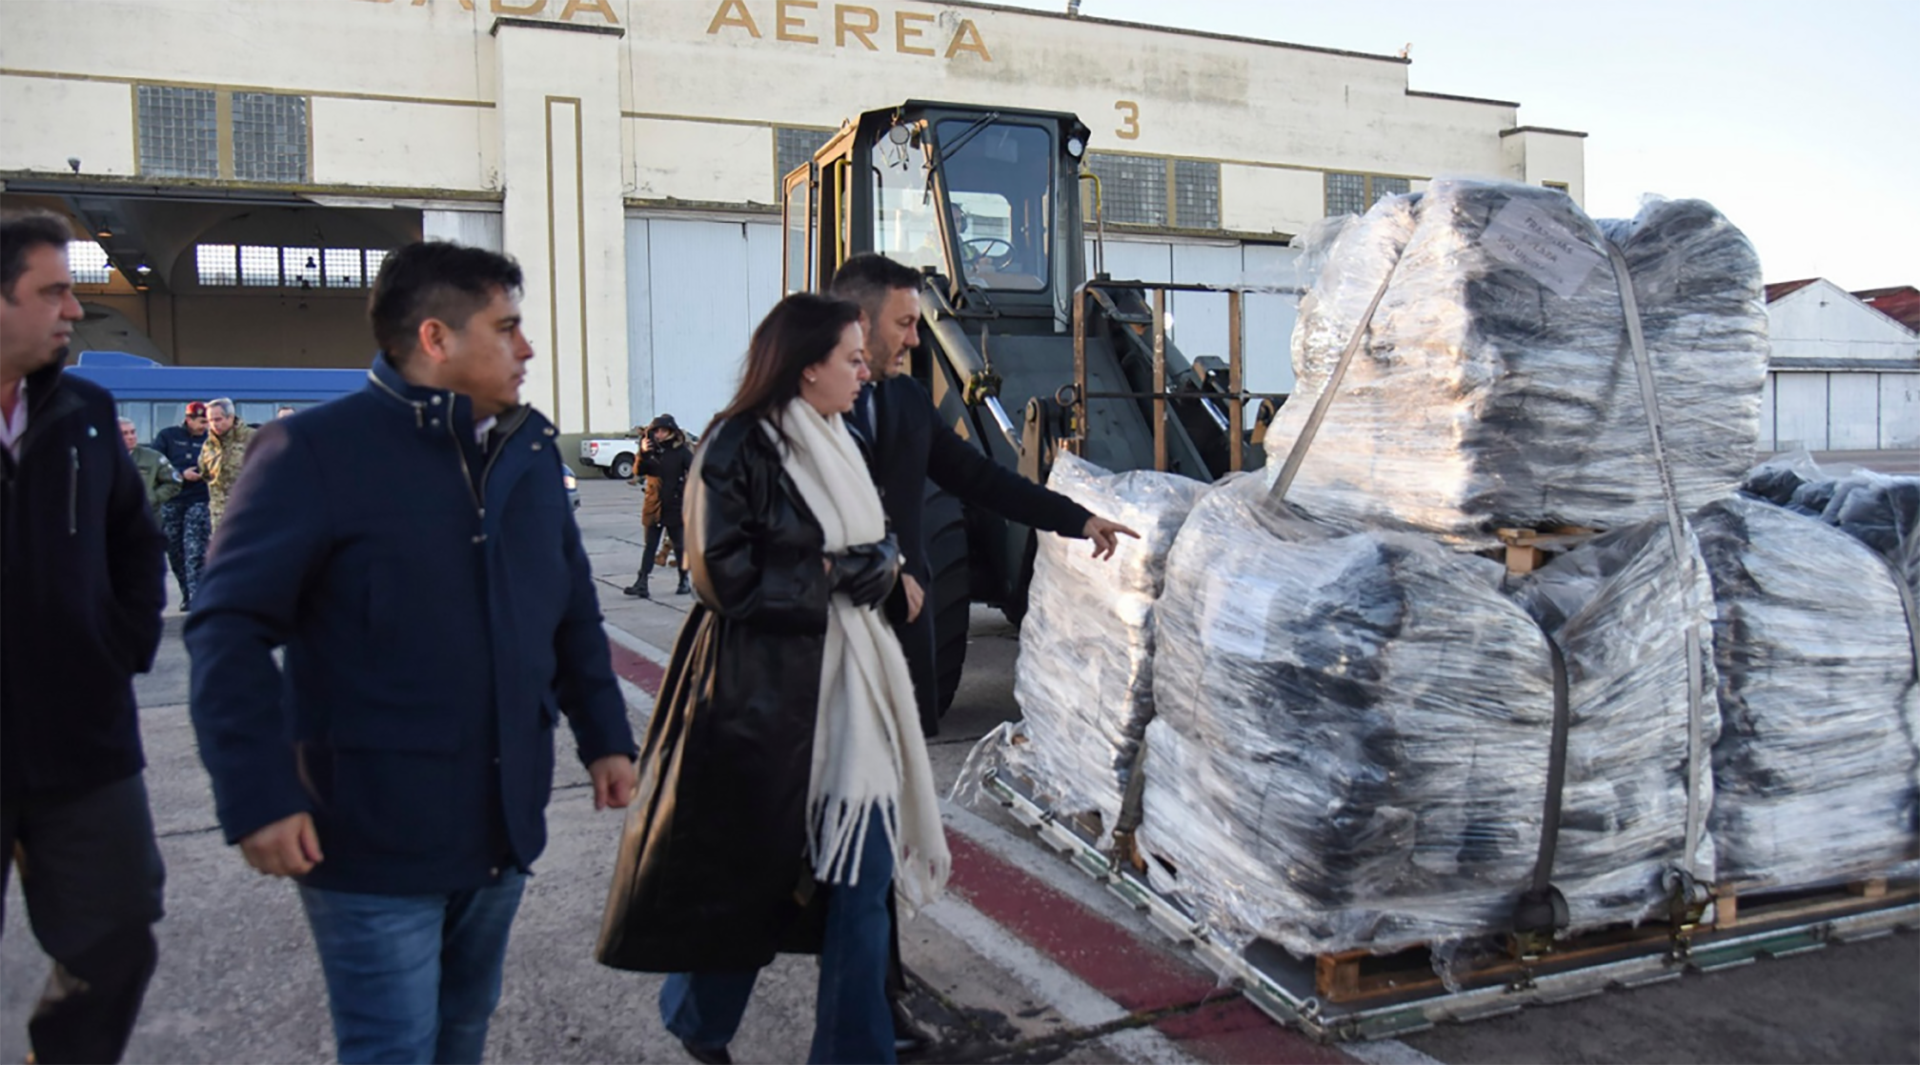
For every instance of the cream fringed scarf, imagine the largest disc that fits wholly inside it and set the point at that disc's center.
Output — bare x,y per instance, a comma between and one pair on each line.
868,754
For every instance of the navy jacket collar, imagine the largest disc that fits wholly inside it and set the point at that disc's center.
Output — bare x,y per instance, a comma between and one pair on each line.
435,410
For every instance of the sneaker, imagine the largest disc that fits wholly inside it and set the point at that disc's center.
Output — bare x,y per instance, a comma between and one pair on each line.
685,588
638,589
707,1055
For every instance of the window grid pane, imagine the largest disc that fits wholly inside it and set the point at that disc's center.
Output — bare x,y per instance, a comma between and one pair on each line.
1133,188
302,267
217,263
794,148
1384,187
1196,192
178,136
259,267
88,261
342,267
375,257
269,137
1346,194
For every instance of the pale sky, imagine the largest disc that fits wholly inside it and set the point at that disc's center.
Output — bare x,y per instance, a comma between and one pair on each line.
1799,120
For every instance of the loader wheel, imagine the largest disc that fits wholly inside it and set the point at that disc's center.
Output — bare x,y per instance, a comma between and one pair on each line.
949,598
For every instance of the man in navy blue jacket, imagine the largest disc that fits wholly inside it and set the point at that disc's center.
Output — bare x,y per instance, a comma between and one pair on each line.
411,547
82,584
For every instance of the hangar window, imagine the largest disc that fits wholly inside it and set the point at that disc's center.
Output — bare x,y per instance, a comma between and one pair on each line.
269,137
89,264
261,266
179,131
218,264
1196,194
344,267
1133,188
793,147
300,267
1354,193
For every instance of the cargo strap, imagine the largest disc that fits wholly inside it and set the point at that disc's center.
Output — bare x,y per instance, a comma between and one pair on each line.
1298,453
1676,530
1542,909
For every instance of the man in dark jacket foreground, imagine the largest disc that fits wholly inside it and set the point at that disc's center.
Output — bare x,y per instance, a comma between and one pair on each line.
411,547
82,584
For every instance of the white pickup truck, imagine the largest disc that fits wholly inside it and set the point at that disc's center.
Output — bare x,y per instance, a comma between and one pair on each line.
611,455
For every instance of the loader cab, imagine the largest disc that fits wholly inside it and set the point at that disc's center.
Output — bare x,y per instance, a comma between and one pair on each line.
986,199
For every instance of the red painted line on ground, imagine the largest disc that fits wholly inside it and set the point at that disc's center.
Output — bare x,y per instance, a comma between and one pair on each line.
1107,957
1117,964
643,672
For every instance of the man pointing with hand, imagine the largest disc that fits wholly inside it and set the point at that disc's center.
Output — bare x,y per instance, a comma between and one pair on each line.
411,548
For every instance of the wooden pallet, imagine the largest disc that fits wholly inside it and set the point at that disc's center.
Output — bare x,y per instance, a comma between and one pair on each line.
1357,976
1737,905
1527,549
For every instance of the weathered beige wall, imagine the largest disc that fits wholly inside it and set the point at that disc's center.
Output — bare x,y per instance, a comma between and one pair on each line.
564,220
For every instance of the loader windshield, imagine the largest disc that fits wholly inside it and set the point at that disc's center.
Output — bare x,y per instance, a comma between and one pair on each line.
998,178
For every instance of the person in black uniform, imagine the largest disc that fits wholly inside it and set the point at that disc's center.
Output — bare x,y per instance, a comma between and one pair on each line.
908,445
665,457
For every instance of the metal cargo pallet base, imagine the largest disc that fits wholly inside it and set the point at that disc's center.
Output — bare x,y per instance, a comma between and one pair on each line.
1282,985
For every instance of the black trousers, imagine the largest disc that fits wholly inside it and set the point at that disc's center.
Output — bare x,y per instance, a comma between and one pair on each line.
916,642
671,528
91,875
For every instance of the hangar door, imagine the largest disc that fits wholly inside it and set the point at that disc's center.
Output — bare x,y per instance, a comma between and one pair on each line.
695,290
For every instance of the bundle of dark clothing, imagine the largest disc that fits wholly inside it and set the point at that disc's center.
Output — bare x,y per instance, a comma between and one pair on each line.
1816,767
1495,386
1084,679
1351,739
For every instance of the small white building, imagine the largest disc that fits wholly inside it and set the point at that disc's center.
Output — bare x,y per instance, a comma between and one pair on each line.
1844,375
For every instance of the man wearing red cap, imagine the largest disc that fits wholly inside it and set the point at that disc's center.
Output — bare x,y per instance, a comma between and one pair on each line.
184,518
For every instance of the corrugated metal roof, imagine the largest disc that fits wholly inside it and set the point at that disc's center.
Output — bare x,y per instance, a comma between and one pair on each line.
1785,288
1901,303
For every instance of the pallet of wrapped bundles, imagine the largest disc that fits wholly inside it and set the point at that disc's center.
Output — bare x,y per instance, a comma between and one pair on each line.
1084,678
1353,732
1815,769
1494,386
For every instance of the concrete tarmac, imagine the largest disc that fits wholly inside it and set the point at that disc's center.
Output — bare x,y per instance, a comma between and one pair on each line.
1026,960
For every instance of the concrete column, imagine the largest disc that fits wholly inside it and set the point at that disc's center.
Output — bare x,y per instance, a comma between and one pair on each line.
479,229
559,112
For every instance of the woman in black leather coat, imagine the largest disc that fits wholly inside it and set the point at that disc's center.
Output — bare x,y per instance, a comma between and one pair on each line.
721,864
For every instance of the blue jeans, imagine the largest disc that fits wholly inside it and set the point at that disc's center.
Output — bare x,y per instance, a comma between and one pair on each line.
851,1023
413,978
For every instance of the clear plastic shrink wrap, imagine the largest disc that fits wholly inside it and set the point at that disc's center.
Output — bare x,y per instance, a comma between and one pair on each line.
1351,738
1495,386
1815,768
1084,678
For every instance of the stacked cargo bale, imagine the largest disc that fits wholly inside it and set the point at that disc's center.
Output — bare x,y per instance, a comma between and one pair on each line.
1084,678
1350,748
1815,768
1494,386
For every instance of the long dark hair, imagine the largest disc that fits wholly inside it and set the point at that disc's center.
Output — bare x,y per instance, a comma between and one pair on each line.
800,331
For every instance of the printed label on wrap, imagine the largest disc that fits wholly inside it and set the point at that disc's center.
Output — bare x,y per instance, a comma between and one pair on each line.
1237,617
1525,236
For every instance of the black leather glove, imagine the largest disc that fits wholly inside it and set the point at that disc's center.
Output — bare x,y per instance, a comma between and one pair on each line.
867,572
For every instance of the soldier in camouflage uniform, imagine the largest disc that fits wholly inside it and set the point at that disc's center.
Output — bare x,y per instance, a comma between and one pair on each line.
223,456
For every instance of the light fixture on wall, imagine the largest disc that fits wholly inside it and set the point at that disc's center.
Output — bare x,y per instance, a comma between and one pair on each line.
104,234
143,269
